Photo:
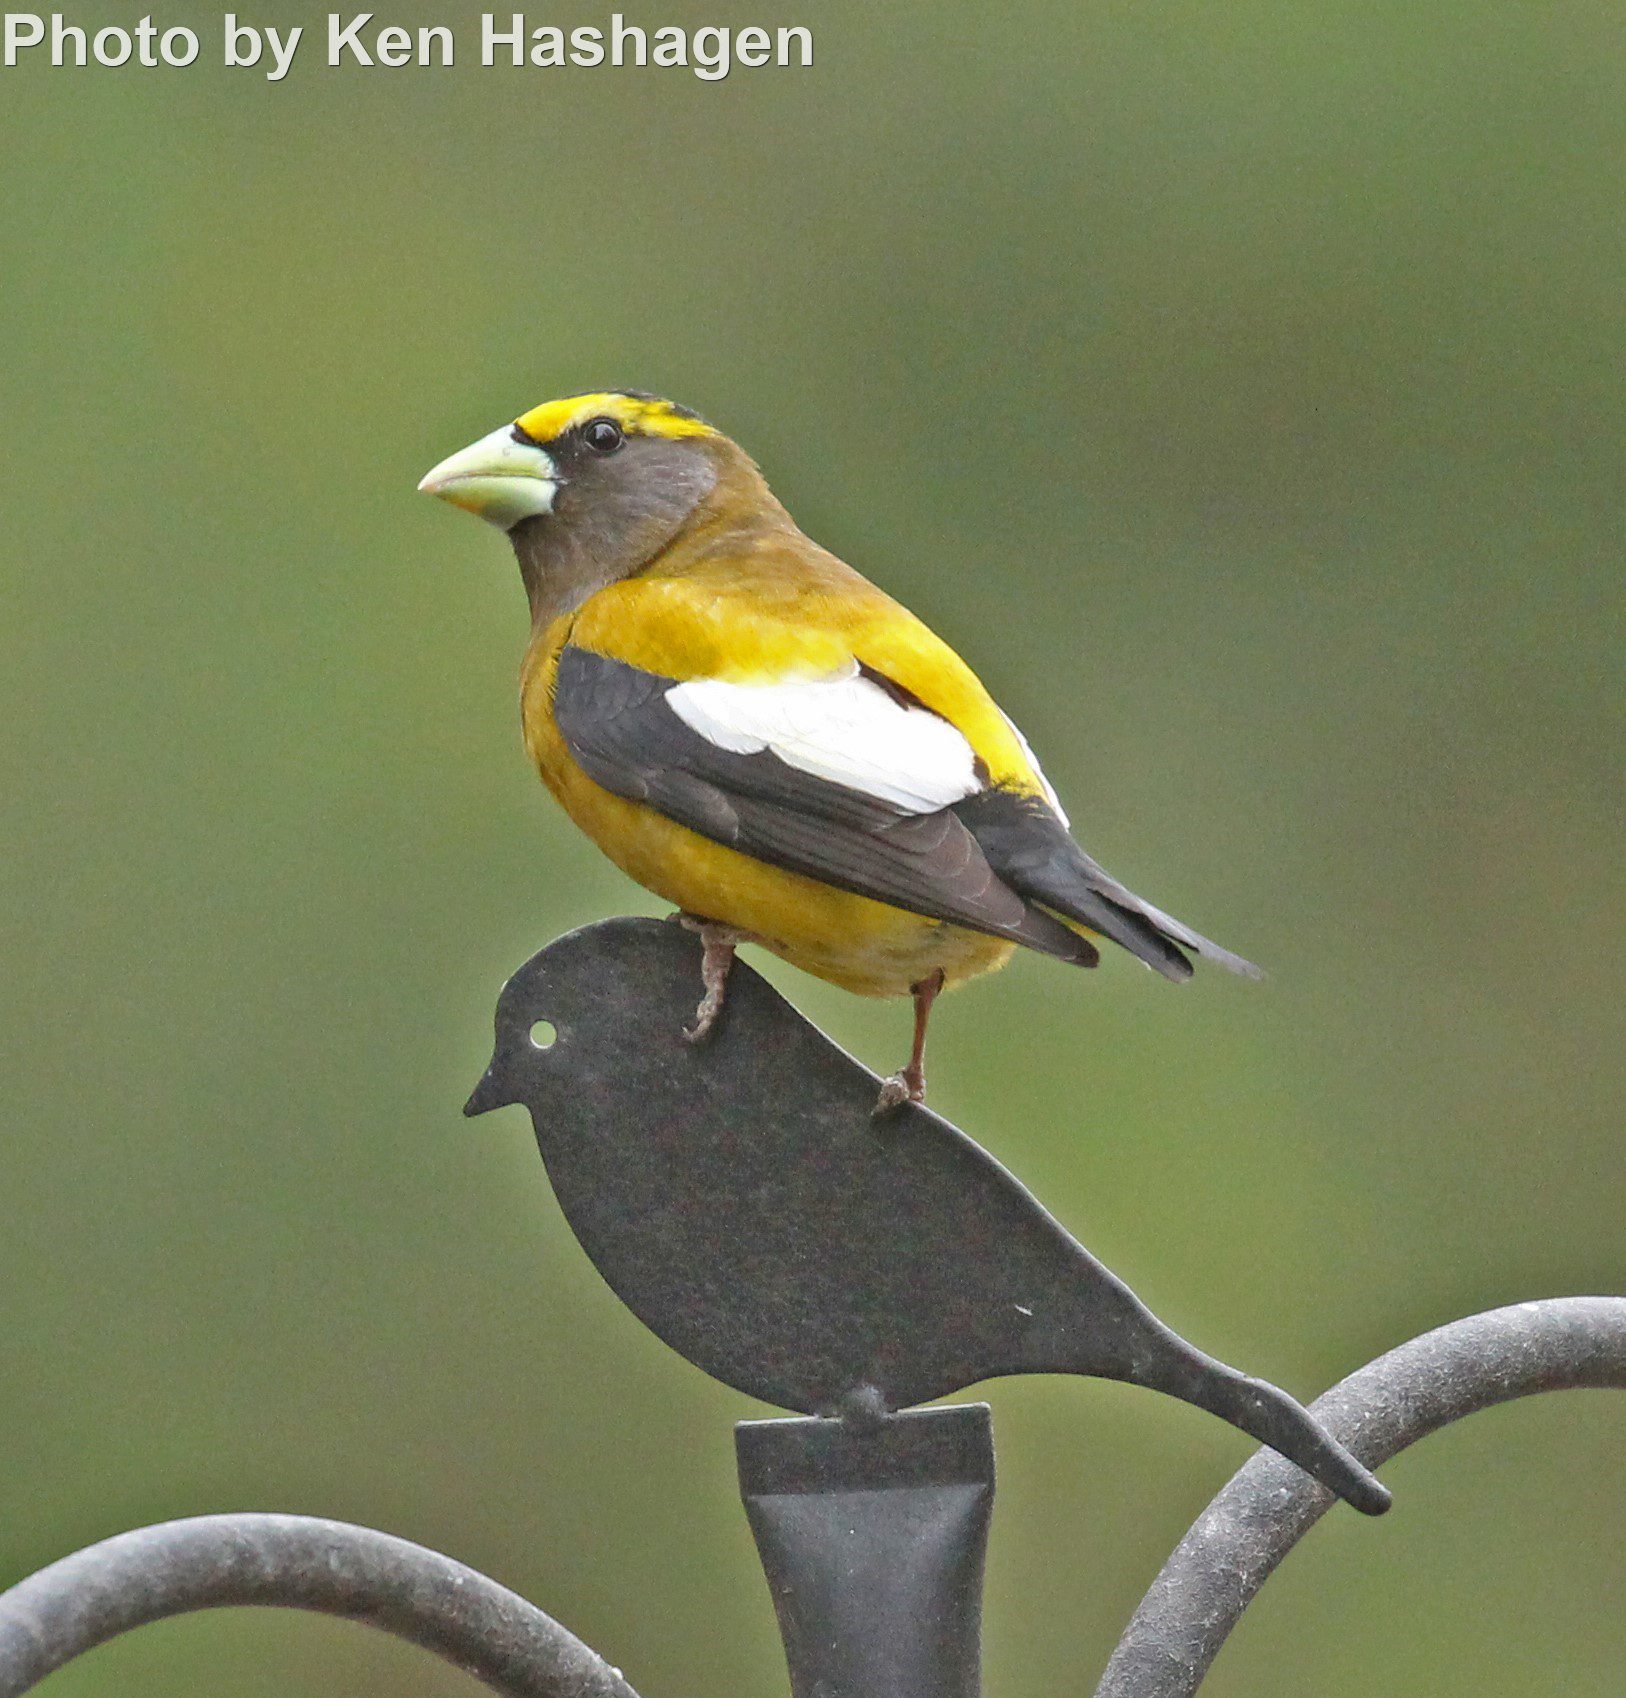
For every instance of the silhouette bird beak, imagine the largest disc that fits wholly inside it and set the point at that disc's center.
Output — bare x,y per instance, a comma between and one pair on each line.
492,1092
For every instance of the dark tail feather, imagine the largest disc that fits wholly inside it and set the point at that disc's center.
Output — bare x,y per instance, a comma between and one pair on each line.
1087,893
1125,926
1029,847
1195,941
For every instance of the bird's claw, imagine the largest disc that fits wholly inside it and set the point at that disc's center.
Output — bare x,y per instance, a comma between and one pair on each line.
705,1019
898,1090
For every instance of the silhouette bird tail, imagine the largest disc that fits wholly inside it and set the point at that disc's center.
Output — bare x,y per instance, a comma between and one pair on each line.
1108,1331
1269,1414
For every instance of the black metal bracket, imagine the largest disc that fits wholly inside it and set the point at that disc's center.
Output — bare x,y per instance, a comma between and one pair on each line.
872,1533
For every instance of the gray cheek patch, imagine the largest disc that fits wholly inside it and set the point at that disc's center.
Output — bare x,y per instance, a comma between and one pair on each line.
627,506
612,515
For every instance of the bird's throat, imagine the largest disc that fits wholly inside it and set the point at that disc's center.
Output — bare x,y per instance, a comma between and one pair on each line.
559,574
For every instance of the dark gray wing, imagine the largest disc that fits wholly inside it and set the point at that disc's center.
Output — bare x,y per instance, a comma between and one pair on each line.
619,727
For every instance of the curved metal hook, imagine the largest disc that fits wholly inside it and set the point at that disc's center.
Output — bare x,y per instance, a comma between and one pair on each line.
1268,1506
298,1562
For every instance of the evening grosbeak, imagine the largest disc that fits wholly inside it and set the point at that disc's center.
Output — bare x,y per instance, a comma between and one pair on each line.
762,737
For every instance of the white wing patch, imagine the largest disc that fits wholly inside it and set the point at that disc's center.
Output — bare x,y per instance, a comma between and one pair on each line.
1038,771
846,730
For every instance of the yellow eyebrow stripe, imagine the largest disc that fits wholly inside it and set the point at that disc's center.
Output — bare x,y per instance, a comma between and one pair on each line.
635,416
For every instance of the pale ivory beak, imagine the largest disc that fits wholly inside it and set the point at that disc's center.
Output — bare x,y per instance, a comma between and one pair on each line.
498,479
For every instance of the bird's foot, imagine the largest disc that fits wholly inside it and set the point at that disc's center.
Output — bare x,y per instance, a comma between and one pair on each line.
909,1086
717,945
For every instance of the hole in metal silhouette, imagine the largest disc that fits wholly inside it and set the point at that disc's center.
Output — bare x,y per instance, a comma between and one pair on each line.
741,1200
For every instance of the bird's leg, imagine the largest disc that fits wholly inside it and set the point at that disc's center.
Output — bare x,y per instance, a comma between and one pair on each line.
717,945
909,1086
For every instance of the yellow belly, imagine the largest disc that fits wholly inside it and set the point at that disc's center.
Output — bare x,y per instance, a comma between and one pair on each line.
861,945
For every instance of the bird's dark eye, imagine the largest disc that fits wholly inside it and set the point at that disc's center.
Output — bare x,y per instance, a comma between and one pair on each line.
603,436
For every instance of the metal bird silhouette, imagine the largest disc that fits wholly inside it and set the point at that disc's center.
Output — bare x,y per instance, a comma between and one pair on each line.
743,1202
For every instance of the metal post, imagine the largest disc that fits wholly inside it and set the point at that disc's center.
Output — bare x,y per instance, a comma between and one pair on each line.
872,1532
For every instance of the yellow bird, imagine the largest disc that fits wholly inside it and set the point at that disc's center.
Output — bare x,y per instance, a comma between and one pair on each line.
763,738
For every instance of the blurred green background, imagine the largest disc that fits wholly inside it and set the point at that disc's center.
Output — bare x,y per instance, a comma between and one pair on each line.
1240,387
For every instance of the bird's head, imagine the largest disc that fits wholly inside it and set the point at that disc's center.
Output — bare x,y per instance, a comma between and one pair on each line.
573,1025
591,488
519,1071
